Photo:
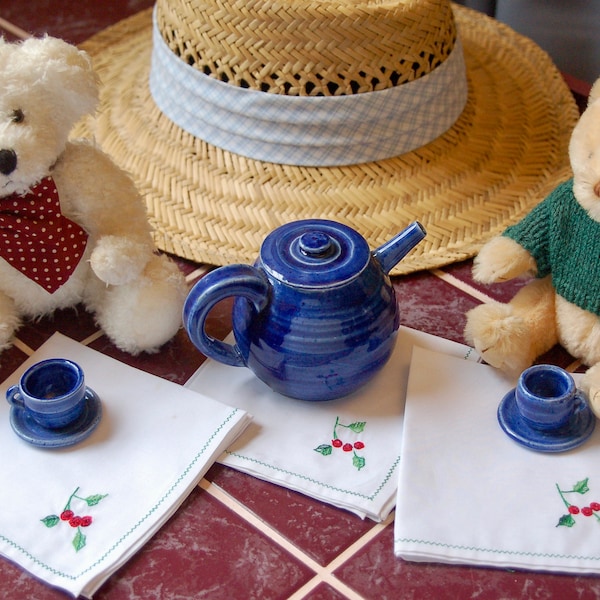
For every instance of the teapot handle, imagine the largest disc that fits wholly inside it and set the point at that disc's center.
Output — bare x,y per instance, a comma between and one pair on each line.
231,280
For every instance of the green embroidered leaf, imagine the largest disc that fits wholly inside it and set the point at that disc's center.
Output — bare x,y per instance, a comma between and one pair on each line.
357,427
566,521
581,487
50,520
78,541
324,449
93,500
358,461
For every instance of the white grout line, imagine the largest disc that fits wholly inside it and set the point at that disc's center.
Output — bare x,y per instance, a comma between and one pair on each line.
461,285
17,31
327,575
197,273
17,343
92,338
322,574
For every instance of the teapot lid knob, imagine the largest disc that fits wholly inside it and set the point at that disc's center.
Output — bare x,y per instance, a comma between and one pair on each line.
317,244
314,253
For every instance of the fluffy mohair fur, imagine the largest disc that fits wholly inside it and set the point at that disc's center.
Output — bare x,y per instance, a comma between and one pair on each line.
135,294
511,336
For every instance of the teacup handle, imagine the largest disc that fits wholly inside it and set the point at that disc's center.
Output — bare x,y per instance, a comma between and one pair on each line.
13,396
231,280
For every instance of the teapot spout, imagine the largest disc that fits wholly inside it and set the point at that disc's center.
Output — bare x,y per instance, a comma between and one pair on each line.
392,252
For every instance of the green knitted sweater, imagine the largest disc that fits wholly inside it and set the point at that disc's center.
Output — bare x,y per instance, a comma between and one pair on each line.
565,243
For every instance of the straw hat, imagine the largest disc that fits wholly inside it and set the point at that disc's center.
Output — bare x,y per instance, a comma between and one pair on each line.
236,116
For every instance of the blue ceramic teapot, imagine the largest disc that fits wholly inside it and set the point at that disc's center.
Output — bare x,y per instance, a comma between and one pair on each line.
315,317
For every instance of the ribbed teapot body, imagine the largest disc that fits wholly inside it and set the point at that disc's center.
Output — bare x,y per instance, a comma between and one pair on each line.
319,343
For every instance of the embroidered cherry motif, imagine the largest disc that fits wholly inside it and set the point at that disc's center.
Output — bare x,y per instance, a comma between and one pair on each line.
66,515
359,445
337,443
574,510
595,506
347,447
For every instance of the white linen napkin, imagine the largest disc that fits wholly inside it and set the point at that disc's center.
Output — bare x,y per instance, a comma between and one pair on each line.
155,441
290,442
469,494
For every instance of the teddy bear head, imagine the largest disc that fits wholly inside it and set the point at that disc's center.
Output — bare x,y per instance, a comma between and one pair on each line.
46,86
584,154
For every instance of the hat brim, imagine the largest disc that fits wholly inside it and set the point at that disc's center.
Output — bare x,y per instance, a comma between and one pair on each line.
508,149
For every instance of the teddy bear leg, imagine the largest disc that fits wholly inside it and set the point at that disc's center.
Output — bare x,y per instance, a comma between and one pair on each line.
144,314
9,321
510,336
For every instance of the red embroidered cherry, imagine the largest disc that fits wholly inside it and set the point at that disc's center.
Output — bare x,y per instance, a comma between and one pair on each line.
65,515
359,445
75,521
337,443
595,506
587,511
86,521
347,447
574,510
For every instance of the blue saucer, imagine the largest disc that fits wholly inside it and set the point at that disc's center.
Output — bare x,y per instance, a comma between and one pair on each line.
569,436
31,431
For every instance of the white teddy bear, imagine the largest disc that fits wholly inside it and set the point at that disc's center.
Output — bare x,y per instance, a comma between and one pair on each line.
73,228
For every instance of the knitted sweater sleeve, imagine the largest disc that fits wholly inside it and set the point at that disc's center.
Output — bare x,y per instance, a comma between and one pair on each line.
536,230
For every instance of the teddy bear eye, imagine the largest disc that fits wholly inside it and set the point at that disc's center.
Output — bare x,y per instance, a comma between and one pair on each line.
17,116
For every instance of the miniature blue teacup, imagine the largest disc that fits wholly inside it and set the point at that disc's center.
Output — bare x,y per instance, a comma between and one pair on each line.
546,397
51,391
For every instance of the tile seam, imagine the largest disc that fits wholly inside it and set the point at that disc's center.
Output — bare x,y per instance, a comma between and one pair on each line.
461,285
11,28
322,573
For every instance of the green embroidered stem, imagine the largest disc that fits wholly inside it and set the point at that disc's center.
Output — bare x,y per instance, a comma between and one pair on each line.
68,504
337,420
562,496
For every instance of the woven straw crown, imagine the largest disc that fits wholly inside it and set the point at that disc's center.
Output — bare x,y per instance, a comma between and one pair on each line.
504,153
311,48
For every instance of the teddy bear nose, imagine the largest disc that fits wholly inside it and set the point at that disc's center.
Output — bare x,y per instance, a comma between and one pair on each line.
8,161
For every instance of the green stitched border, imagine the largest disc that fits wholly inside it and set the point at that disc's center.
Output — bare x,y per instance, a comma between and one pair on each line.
161,501
321,483
494,550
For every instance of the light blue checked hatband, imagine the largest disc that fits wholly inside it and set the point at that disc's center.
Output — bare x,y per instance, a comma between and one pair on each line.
308,130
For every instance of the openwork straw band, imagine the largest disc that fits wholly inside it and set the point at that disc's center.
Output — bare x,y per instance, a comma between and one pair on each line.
308,130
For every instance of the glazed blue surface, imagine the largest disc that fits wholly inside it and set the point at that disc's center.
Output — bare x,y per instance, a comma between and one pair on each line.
52,390
572,434
316,316
32,432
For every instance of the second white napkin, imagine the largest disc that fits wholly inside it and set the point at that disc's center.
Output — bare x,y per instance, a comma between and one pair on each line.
345,452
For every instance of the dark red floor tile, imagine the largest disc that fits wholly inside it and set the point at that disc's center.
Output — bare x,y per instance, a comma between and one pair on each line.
207,552
324,592
429,304
72,20
320,530
376,574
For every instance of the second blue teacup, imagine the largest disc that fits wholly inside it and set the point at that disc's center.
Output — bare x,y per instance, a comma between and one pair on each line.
546,397
51,391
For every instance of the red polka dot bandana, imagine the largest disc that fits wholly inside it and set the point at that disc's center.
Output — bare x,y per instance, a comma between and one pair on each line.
37,239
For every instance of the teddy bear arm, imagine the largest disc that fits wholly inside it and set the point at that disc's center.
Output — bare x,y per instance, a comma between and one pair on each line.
100,196
502,259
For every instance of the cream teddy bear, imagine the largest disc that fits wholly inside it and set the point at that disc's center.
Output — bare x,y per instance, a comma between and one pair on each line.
559,243
72,226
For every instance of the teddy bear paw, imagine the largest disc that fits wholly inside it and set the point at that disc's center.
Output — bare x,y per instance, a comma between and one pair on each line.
590,385
118,260
500,337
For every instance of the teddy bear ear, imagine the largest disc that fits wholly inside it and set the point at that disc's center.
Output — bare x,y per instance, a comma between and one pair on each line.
594,92
67,69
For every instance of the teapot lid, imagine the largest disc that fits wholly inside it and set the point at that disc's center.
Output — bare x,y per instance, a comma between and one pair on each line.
314,253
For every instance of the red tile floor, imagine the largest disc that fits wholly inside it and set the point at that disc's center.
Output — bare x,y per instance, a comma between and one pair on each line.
236,537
